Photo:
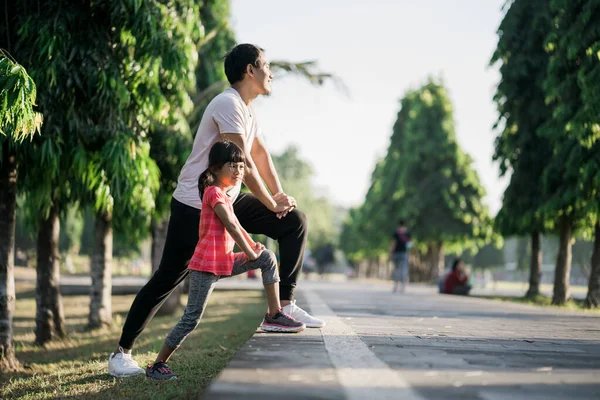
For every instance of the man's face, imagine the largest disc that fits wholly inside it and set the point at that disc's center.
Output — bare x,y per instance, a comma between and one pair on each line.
262,76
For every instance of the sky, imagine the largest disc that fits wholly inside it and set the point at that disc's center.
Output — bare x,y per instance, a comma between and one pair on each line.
379,49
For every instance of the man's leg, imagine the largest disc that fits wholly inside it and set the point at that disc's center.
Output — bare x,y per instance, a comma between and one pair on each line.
289,231
182,237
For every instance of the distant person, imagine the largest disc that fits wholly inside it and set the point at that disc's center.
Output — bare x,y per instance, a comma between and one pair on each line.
214,257
266,210
456,281
398,254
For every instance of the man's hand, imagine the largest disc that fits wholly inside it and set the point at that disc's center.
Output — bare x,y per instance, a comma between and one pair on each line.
258,246
283,199
285,204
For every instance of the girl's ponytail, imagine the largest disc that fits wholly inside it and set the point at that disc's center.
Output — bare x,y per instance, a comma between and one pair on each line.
206,179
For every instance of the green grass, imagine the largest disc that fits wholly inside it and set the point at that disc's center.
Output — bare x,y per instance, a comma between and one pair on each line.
76,367
544,301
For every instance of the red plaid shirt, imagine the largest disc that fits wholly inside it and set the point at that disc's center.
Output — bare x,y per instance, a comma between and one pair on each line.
214,251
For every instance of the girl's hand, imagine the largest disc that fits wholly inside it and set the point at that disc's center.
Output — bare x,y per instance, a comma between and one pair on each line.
259,246
257,254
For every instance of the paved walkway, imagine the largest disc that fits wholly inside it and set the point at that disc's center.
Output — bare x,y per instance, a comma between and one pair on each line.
418,345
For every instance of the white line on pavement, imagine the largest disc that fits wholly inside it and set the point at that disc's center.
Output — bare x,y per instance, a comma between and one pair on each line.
360,372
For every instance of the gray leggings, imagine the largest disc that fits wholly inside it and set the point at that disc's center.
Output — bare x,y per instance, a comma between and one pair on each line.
202,285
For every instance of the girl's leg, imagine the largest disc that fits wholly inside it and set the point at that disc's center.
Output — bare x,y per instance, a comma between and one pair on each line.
267,262
201,286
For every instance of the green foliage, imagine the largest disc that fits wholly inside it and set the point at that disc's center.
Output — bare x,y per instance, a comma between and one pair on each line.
572,178
108,70
520,99
18,120
444,195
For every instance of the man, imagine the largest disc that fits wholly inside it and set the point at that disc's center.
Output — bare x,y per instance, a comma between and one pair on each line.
398,253
229,116
456,281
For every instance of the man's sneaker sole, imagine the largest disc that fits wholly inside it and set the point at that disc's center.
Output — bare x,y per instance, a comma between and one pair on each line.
126,375
281,328
315,325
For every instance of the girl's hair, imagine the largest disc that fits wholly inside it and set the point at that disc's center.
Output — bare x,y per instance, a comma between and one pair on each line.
220,154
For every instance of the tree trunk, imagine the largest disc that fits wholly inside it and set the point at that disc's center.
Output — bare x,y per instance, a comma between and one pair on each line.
593,297
159,236
441,261
436,261
535,266
49,319
101,273
562,273
8,184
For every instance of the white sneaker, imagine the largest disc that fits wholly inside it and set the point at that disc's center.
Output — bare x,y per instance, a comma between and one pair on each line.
302,316
122,365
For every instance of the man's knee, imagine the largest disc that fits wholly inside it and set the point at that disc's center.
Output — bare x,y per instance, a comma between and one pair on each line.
298,219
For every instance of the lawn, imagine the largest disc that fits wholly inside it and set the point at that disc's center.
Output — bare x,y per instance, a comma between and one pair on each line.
76,367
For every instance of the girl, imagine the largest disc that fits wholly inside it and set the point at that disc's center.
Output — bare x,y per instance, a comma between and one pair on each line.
214,257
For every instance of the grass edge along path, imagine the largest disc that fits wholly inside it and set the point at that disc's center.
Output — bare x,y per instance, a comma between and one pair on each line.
76,367
543,301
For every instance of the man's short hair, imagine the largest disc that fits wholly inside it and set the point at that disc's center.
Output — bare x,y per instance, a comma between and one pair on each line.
402,223
237,60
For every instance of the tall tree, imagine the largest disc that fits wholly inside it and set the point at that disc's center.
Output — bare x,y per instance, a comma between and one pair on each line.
424,178
18,122
40,163
443,192
572,177
520,99
134,61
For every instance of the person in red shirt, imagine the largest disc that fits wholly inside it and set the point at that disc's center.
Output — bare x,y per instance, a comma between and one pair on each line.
214,258
457,280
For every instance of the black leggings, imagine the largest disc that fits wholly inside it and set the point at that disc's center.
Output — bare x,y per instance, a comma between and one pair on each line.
182,237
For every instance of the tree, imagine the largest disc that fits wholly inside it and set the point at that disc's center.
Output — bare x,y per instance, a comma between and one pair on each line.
133,62
426,179
18,122
520,100
572,178
443,193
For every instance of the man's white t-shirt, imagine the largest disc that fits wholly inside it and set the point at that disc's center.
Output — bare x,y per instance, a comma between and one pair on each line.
226,113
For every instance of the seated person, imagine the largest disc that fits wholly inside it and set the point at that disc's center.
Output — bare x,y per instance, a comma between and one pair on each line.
456,281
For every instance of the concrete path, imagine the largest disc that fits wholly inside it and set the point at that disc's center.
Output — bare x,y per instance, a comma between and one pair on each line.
418,345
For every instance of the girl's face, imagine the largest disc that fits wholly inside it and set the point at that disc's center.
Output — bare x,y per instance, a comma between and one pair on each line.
230,174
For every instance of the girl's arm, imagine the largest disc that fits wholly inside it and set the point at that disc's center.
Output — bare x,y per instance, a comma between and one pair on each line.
235,230
248,238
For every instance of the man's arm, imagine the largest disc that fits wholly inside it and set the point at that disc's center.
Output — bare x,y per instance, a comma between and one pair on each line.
264,164
251,174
